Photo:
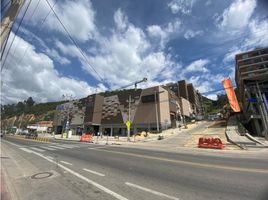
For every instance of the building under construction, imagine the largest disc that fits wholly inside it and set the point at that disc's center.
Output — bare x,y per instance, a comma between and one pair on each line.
151,109
252,82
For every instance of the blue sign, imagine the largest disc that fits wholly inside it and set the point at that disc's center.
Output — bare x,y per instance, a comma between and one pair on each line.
252,100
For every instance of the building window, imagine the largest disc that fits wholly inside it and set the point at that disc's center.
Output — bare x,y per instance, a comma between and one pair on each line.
149,98
245,56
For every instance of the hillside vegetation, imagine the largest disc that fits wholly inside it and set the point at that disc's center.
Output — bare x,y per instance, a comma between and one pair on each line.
29,112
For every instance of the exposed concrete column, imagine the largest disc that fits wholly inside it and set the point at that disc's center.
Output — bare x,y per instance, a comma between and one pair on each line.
262,111
135,130
111,132
100,130
255,121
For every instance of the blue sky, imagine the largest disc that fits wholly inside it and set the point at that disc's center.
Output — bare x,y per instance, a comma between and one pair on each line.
163,40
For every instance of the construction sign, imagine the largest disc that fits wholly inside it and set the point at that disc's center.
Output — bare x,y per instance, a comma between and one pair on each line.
227,84
128,124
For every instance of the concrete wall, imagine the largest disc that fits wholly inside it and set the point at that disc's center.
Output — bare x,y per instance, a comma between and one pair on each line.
164,106
186,107
97,109
146,113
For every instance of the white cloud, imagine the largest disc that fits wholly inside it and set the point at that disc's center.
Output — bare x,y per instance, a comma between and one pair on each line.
77,16
212,96
208,3
37,77
255,37
230,55
237,15
258,36
120,20
191,34
161,35
127,56
197,66
182,6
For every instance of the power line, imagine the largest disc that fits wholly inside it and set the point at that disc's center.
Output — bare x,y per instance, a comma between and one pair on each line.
74,42
40,28
29,19
5,6
3,64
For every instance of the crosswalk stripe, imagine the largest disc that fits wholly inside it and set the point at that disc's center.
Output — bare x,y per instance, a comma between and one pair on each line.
47,148
37,149
67,146
57,147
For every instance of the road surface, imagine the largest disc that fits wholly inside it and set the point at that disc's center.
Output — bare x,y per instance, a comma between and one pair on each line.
73,170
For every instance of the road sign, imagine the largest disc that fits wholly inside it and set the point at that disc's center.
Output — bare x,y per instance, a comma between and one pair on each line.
128,124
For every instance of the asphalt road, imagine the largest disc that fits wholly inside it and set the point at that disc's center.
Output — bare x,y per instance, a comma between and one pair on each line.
89,171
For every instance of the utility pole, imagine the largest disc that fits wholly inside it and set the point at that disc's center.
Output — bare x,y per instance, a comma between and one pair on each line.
8,20
128,130
128,122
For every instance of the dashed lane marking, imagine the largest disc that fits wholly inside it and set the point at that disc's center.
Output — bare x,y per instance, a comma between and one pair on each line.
67,163
97,185
151,191
93,172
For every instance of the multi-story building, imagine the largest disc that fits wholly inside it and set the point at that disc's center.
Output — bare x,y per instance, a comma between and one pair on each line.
195,99
252,82
155,108
187,95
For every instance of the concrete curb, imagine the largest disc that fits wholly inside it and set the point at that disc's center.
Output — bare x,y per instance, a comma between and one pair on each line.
233,142
255,140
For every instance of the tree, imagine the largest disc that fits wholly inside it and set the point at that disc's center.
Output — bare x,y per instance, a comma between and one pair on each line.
30,102
20,107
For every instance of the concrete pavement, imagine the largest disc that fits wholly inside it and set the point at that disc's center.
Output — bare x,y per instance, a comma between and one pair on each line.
142,174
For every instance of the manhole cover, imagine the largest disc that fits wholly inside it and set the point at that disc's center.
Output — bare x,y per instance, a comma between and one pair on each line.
42,175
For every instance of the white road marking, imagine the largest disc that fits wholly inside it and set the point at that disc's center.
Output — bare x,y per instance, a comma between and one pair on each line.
50,157
108,191
27,150
67,163
93,172
37,149
12,143
66,146
47,148
97,147
56,147
151,191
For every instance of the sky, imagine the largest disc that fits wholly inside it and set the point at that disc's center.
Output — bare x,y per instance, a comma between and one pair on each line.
125,41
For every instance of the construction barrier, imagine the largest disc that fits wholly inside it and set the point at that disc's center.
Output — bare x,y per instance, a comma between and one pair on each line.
212,143
86,138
